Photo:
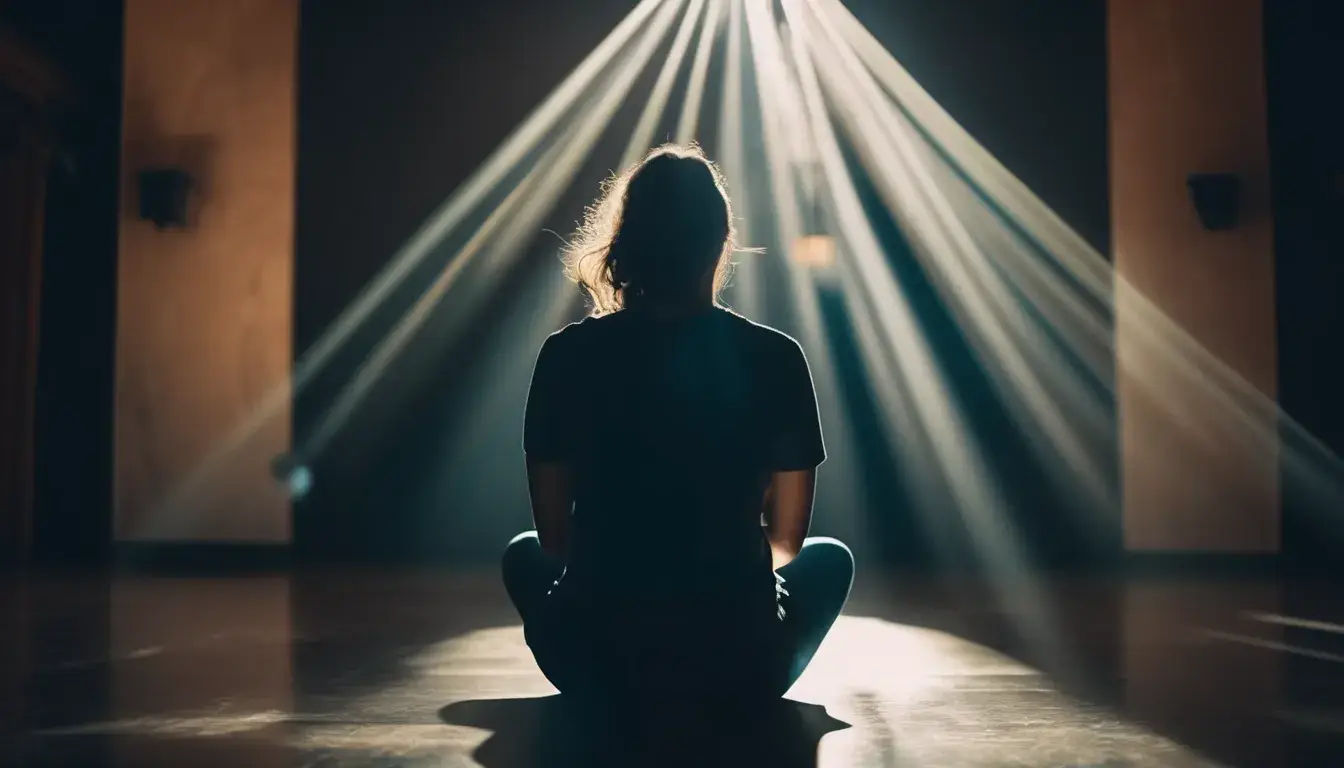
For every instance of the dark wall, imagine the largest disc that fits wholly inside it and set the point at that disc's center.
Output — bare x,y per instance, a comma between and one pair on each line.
396,108
1027,79
76,367
1303,68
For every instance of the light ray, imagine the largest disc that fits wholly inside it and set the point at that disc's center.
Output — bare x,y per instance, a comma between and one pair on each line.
732,159
556,176
467,197
695,87
938,234
1152,340
179,500
839,487
642,138
973,489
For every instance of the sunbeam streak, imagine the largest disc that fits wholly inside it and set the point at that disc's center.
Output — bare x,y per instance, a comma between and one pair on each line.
557,174
840,487
732,140
695,87
974,491
176,505
1067,345
1155,353
938,233
662,87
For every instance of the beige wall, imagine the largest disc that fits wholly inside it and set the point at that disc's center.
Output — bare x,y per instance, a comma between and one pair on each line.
205,315
1187,95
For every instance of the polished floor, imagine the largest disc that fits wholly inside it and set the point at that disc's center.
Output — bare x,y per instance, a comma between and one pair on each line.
381,668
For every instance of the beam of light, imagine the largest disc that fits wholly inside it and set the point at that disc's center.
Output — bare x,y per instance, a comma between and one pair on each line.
466,198
973,489
1273,645
494,401
775,95
1296,623
695,87
477,473
556,175
642,138
368,372
524,140
916,463
840,485
1055,236
960,270
1243,413
916,371
389,348
732,159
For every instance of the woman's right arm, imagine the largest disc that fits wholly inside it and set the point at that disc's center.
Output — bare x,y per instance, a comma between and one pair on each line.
796,450
548,429
788,513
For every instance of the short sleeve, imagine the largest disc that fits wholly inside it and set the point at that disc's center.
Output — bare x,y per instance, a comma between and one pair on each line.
547,432
796,442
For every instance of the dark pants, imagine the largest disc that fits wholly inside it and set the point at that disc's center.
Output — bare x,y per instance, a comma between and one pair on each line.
817,581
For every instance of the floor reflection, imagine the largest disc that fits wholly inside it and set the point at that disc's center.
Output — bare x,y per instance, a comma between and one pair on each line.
395,669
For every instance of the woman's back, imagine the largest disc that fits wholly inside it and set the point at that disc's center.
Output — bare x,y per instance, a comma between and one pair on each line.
673,449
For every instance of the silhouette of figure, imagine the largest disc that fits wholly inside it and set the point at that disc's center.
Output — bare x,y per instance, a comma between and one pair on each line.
672,449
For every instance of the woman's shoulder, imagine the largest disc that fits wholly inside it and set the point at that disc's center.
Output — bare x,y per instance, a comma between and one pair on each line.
761,335
578,335
585,328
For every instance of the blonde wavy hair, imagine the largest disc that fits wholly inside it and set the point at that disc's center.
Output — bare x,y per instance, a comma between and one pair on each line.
658,232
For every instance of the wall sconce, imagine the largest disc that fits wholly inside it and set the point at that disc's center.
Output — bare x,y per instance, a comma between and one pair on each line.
164,197
1217,199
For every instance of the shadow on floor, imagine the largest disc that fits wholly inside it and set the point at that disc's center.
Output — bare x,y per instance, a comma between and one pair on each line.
557,732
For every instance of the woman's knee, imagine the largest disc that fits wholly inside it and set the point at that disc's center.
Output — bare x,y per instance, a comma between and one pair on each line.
830,555
521,548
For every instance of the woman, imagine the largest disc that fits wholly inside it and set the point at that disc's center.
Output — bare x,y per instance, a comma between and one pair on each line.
672,449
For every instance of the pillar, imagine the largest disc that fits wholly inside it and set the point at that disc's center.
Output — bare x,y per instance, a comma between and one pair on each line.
205,312
1187,95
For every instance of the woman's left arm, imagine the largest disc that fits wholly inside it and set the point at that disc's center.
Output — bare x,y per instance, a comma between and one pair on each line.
551,485
548,434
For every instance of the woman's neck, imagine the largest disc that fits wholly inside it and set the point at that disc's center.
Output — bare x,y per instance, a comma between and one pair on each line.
672,309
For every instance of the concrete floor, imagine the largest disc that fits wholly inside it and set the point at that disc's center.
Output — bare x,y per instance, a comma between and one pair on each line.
402,668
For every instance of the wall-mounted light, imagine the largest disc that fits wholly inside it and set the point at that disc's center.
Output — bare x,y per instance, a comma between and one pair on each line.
1217,199
164,197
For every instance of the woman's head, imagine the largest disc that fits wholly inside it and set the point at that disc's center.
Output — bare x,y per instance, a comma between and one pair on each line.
661,233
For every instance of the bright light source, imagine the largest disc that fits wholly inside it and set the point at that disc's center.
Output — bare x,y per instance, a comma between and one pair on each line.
814,251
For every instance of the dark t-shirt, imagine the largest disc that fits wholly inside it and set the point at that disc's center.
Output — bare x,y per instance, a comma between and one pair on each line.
672,427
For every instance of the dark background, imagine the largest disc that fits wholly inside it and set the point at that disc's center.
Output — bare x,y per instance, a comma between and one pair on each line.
398,106
76,363
1303,64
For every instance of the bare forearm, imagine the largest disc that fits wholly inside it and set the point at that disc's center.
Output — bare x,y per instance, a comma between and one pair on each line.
789,514
554,538
552,506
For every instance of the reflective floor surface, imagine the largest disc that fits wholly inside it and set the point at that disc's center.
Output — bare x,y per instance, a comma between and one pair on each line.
383,668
